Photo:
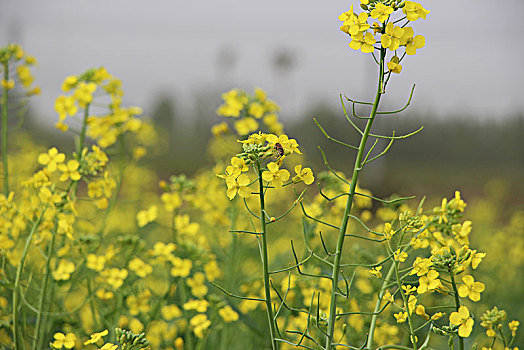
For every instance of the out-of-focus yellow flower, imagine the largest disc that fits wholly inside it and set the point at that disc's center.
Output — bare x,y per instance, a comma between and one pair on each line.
140,268
70,170
144,217
246,125
228,314
95,262
197,305
170,312
199,323
181,267
51,159
64,270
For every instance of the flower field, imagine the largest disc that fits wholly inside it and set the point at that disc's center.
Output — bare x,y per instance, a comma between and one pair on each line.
259,249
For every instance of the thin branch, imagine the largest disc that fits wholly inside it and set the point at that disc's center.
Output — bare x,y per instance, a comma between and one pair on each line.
332,138
405,106
235,296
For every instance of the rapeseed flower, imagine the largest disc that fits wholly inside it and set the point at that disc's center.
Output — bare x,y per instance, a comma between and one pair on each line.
63,340
305,175
470,288
274,175
51,159
462,319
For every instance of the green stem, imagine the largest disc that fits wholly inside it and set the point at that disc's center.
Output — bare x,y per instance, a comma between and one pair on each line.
371,333
341,235
183,296
17,279
457,304
36,337
406,304
265,262
81,142
4,130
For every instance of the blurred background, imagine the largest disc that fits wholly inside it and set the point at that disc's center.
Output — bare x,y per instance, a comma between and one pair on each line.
175,58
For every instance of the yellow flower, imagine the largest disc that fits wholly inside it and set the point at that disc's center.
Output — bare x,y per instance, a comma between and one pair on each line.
114,277
420,266
246,125
69,83
95,337
274,175
394,66
197,305
305,175
363,43
140,268
65,106
8,84
69,171
376,271
228,314
197,284
25,76
381,12
96,262
219,129
289,145
181,267
140,303
421,311
513,326
428,282
199,323
470,288
414,11
170,312
109,346
51,159
144,217
391,39
171,201
256,110
238,185
400,256
84,93
462,319
64,270
401,316
63,340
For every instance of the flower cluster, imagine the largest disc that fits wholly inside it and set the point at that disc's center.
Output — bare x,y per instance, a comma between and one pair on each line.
391,36
247,109
13,56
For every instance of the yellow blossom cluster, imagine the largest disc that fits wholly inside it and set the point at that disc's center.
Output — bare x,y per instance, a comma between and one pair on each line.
248,109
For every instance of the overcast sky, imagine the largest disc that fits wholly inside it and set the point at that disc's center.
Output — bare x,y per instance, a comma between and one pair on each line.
471,65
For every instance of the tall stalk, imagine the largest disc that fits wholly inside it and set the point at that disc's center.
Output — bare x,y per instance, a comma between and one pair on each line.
37,340
16,286
342,232
4,130
265,262
457,303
